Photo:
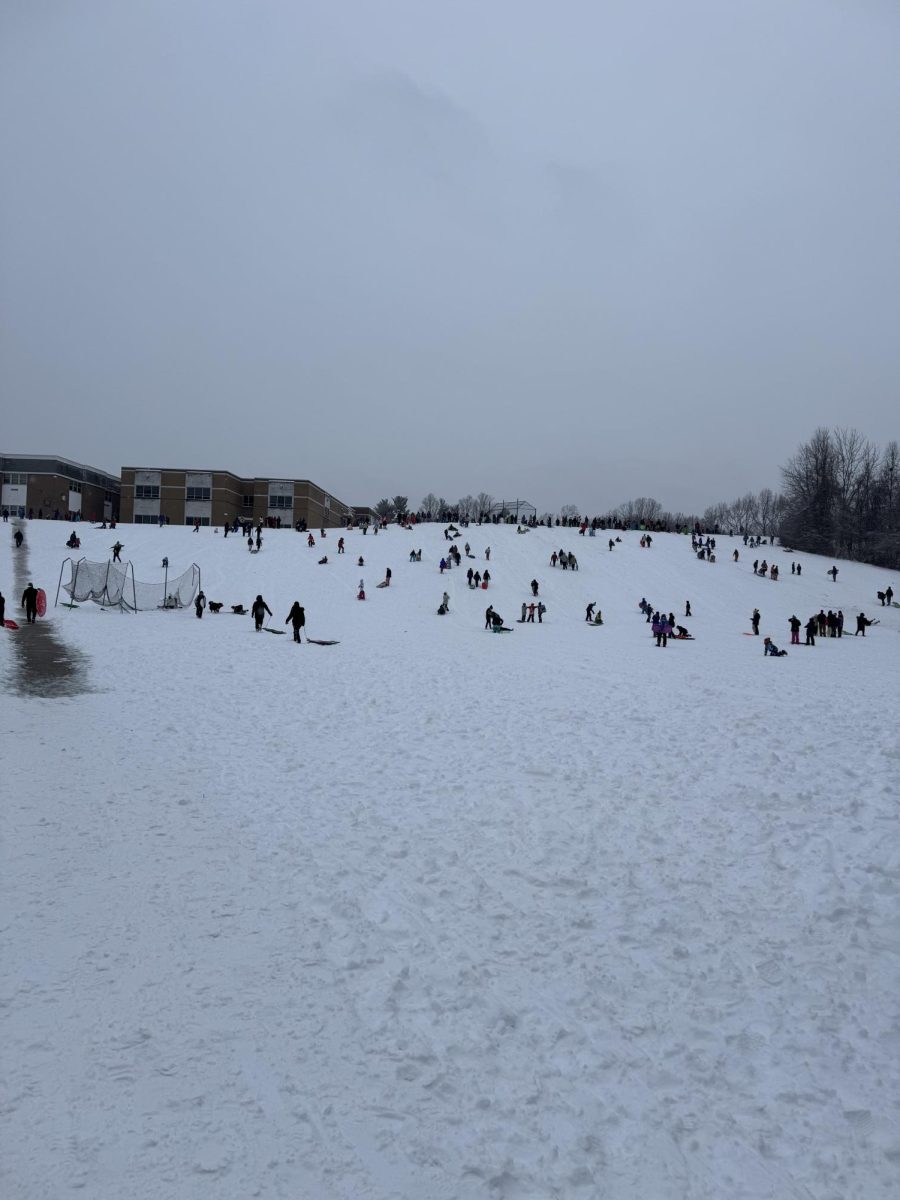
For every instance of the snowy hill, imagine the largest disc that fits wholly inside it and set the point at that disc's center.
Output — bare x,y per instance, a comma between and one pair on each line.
439,913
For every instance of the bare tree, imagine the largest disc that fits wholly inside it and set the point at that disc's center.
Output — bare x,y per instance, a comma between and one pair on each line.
483,504
431,506
466,507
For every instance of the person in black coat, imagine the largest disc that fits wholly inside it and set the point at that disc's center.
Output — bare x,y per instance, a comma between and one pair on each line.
259,608
29,603
297,618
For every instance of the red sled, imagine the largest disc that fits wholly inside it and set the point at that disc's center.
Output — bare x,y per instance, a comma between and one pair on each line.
10,625
41,602
484,586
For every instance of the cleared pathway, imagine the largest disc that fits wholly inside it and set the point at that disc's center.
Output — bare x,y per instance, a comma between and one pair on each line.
44,666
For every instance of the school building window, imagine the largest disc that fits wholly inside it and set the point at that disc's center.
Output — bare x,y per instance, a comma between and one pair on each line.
194,520
281,502
145,519
198,493
247,501
146,491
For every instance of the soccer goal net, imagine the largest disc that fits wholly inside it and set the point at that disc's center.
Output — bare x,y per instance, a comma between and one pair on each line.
113,585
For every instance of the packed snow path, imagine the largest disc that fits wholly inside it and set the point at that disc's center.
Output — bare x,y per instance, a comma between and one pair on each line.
436,913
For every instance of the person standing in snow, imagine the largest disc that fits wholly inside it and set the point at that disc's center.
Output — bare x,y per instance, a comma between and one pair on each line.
297,618
861,622
812,626
259,608
534,587
488,616
589,611
29,603
755,620
795,623
541,609
833,573
117,549
889,594
687,608
199,605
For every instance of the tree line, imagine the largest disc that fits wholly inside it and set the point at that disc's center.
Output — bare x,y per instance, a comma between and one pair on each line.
840,498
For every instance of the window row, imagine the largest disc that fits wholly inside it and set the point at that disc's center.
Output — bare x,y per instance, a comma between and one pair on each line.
281,502
146,491
199,493
15,478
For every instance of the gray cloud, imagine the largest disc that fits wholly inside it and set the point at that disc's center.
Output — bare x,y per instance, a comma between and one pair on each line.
572,256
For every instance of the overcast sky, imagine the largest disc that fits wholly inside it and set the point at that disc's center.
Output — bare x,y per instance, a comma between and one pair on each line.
571,252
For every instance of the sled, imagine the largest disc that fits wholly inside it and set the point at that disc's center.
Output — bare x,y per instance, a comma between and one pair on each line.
321,642
277,632
894,604
41,602
383,583
71,605
10,625
500,629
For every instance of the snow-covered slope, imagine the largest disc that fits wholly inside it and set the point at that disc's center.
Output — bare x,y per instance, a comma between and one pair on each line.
437,913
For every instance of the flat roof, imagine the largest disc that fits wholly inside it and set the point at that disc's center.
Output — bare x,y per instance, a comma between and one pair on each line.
53,460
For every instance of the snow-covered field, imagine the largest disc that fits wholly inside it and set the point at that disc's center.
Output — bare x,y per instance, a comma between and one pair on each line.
436,913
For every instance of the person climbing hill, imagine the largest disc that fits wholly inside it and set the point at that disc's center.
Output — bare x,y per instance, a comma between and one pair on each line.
297,618
259,608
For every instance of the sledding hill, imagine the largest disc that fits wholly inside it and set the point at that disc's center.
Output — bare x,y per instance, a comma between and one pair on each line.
722,594
439,913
